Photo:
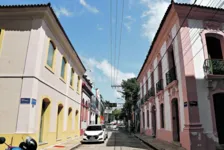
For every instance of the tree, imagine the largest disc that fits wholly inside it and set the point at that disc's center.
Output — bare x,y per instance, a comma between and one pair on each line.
116,113
107,104
130,92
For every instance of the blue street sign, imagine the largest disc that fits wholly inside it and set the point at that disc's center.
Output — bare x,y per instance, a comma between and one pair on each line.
34,101
25,101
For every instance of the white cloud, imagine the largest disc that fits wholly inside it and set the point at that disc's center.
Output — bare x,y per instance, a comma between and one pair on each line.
99,27
105,69
156,9
129,20
62,11
153,16
89,7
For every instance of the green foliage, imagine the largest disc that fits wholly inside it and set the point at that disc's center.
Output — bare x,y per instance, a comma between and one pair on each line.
130,92
116,113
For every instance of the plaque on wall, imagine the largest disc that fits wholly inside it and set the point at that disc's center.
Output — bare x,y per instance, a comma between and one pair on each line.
193,103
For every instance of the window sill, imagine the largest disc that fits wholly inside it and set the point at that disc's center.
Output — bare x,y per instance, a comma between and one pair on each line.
49,68
78,92
63,80
43,143
71,87
58,139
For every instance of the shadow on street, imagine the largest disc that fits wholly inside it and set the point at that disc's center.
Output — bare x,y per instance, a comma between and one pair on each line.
122,138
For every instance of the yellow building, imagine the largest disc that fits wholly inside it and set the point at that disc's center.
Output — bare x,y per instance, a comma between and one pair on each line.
40,77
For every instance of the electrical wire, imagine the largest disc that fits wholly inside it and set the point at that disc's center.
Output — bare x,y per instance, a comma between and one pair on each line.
193,37
111,40
119,49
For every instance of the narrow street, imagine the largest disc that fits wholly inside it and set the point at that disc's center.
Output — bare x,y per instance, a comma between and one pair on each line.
117,140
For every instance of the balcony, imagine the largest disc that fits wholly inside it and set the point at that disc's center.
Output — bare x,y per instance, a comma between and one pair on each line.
159,85
170,76
151,92
214,67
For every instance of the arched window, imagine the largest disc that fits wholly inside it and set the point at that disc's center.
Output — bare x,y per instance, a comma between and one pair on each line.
1,38
63,68
72,78
162,115
51,55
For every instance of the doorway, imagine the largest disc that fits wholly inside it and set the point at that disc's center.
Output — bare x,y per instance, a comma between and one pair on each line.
153,120
218,106
43,119
175,120
59,121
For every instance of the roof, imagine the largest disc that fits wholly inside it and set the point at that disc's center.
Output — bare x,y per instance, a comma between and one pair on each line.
162,23
55,17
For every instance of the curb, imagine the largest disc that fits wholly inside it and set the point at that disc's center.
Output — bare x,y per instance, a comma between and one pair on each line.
76,146
151,146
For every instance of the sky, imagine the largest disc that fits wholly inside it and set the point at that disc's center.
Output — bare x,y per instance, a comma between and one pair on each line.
88,26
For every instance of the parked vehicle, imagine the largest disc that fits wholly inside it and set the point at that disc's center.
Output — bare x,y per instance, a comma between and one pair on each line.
29,144
95,133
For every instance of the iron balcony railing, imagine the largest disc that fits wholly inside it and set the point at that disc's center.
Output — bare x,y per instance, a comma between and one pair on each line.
159,85
151,92
214,66
171,76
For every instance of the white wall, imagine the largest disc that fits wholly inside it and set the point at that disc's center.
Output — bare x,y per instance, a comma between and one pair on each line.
176,50
196,27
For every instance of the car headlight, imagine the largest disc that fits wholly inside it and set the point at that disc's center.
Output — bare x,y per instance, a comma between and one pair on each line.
85,134
101,134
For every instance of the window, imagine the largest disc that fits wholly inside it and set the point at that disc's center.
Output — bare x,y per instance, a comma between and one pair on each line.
162,115
78,84
51,55
72,77
148,118
1,38
94,128
63,68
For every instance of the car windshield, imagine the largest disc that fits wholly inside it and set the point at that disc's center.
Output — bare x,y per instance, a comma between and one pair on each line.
93,128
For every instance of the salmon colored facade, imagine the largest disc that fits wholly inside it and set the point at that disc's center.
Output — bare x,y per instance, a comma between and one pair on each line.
181,80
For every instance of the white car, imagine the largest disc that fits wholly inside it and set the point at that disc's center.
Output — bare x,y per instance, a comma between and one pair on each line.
95,133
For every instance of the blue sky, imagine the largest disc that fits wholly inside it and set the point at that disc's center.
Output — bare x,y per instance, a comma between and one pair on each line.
87,23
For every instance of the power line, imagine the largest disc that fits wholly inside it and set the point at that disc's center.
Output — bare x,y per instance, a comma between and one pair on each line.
119,49
194,35
174,36
111,39
115,47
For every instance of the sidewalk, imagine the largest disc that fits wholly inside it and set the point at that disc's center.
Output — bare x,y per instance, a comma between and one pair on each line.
157,144
68,145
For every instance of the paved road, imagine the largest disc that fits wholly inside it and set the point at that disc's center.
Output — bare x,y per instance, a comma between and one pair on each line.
117,140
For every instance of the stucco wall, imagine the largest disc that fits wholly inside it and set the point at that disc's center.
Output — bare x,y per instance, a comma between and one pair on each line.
195,27
177,58
12,60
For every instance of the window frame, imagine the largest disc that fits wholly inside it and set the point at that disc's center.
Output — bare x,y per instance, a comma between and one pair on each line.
2,32
78,84
51,68
72,75
65,69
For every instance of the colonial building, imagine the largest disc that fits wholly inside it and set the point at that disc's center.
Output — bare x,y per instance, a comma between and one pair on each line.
182,88
85,105
40,77
93,109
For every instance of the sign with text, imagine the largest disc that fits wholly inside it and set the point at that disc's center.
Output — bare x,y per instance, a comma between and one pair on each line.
25,101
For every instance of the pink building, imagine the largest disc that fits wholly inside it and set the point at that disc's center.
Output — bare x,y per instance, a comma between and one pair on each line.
85,104
182,88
